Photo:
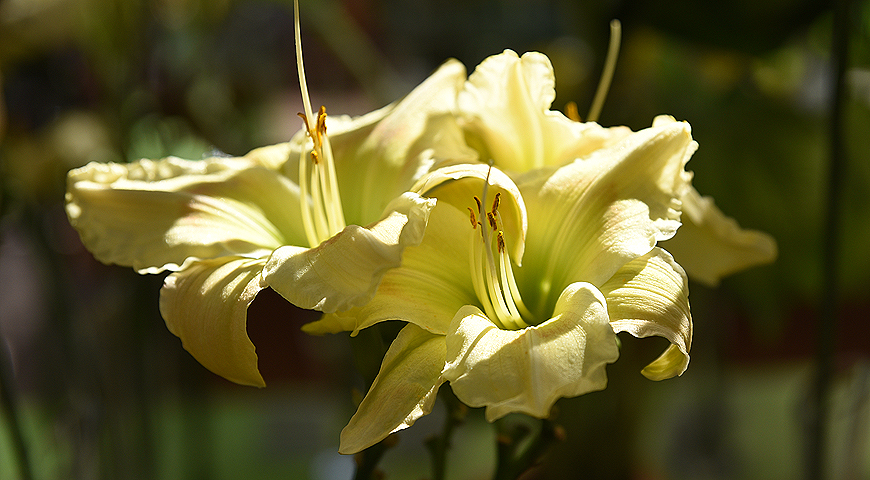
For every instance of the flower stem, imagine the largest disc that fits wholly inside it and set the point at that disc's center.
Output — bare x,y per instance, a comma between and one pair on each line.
439,445
368,348
368,459
8,406
819,397
520,448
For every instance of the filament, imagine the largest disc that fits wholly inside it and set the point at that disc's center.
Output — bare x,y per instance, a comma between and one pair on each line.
607,73
320,200
491,271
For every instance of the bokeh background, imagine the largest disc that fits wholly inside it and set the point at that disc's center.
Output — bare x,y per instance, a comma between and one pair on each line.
95,387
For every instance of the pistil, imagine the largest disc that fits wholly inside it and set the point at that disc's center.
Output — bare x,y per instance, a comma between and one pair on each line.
319,199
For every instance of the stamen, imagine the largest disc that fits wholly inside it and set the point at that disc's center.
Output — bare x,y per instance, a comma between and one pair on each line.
300,68
491,218
477,263
322,215
572,112
493,278
607,73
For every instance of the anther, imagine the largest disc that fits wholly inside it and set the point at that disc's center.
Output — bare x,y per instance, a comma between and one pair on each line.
495,202
491,218
572,112
321,120
500,241
473,218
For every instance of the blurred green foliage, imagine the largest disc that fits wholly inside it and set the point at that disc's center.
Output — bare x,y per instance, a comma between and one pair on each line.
105,391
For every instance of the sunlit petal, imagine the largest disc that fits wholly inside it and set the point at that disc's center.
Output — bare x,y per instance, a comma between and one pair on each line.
711,245
404,390
434,280
345,270
650,296
505,106
459,184
380,160
589,218
528,370
432,283
206,305
154,215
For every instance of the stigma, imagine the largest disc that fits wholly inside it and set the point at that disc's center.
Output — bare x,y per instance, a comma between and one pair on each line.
491,270
319,198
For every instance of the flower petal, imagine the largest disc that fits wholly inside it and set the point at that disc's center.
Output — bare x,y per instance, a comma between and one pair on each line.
404,390
275,156
650,296
711,245
459,184
432,283
205,305
344,271
505,105
435,277
379,161
154,215
528,370
589,218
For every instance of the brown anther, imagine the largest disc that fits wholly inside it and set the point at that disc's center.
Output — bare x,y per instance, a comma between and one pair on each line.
473,218
305,119
491,218
495,202
500,241
321,120
571,111
477,200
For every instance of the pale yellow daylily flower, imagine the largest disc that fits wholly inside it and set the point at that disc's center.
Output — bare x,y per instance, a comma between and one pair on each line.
516,292
599,200
229,227
504,108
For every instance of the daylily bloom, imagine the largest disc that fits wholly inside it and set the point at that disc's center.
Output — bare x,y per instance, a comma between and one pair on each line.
229,227
583,238
504,109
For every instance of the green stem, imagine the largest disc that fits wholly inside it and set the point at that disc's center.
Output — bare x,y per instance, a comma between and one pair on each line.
816,448
517,453
368,348
8,405
368,459
439,445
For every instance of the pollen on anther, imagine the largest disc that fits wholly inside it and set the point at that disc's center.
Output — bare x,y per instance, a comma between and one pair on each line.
477,200
305,119
321,120
500,241
495,202
491,218
473,218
